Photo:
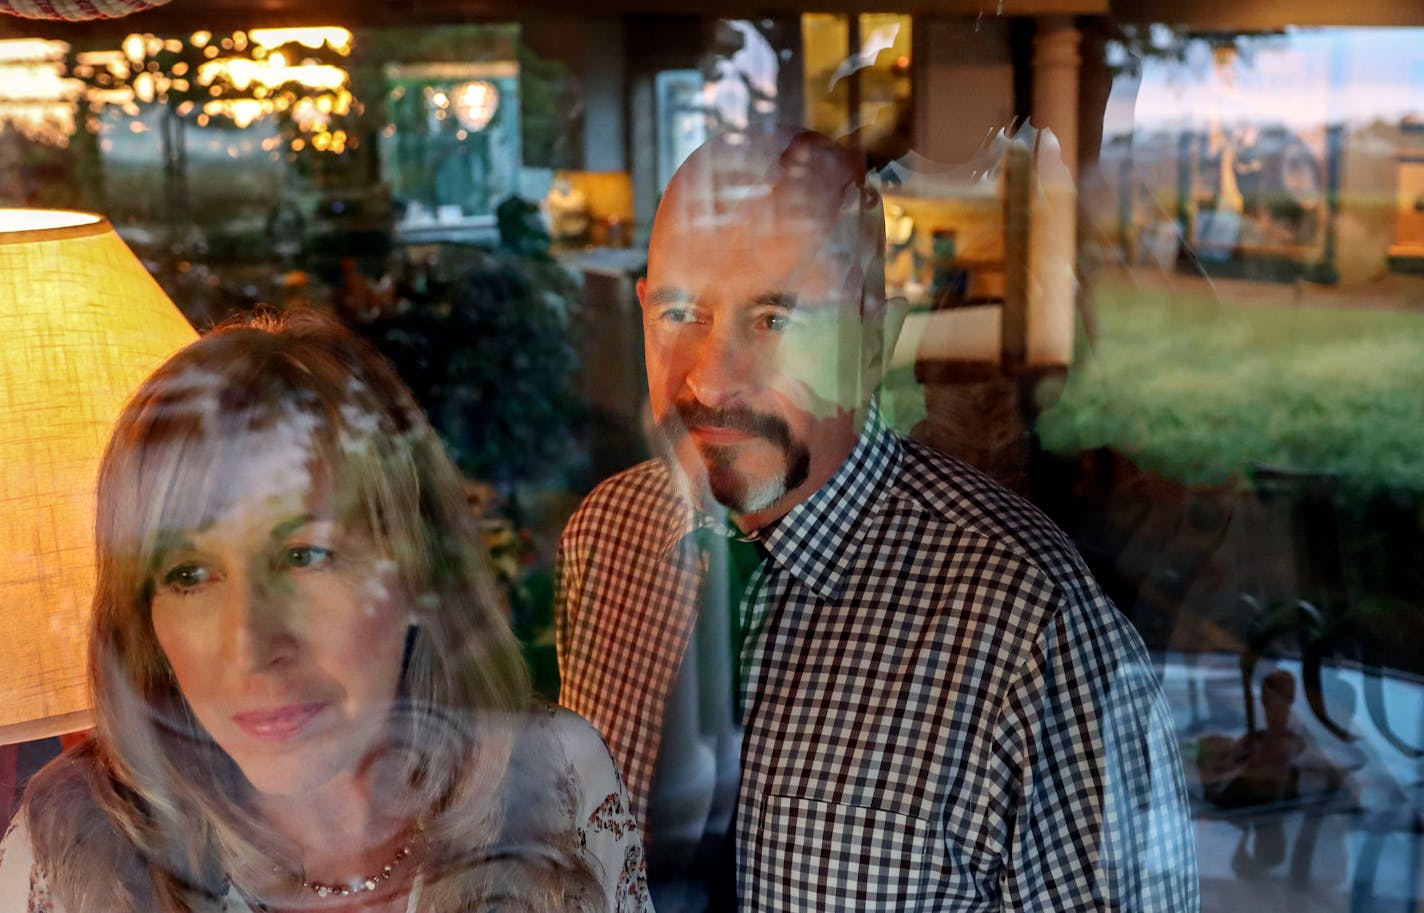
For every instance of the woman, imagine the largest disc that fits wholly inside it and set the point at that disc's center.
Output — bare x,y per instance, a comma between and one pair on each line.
306,695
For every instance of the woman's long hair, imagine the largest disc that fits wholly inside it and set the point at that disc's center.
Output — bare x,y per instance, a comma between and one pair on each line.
177,829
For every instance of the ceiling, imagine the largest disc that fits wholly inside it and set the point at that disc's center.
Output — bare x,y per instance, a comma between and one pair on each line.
179,16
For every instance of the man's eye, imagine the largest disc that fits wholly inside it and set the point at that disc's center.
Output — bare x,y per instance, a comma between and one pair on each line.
185,578
679,315
306,556
776,323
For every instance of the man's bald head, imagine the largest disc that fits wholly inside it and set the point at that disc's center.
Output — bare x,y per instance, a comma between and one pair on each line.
810,175
775,185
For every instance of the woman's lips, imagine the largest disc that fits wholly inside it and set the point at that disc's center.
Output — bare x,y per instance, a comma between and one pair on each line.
280,723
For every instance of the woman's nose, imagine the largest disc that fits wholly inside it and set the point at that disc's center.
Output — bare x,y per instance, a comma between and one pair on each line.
259,632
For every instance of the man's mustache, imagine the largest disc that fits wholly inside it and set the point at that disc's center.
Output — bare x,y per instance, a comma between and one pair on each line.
689,414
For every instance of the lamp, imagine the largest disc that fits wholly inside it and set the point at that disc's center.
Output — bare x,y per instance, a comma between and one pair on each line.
81,324
76,10
474,104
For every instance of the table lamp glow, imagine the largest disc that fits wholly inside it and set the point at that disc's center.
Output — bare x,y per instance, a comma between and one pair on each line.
81,324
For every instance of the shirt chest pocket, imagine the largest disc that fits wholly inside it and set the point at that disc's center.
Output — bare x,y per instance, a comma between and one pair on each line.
807,854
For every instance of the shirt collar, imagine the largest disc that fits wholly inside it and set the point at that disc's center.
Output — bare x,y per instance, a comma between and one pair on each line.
817,540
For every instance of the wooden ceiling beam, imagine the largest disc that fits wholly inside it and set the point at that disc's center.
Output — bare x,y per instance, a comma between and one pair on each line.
182,16
1260,16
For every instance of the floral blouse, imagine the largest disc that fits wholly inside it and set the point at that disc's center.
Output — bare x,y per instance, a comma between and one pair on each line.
606,830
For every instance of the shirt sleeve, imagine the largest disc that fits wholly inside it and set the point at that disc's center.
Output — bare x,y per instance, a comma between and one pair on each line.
1101,820
607,829
567,591
23,883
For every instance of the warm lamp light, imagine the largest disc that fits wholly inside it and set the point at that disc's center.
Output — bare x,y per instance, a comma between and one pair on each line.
81,324
474,104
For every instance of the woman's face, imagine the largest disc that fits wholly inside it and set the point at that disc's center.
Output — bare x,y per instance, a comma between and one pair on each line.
285,630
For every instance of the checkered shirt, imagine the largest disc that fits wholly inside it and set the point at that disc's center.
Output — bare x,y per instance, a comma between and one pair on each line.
943,711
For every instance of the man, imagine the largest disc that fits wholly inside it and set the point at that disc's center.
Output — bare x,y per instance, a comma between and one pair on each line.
936,707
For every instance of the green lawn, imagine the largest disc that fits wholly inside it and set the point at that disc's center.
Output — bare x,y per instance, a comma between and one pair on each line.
1199,389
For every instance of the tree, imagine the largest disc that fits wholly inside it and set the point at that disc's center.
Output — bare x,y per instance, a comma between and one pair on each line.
294,76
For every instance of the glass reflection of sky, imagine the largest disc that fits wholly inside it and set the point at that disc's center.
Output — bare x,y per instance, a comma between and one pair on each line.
1301,78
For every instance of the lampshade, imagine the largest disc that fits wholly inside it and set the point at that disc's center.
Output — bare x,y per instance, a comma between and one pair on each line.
81,324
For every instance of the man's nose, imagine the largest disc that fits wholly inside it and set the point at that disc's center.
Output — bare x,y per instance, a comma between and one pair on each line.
722,367
258,630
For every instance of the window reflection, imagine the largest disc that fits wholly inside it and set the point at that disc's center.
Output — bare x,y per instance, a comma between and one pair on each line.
1207,371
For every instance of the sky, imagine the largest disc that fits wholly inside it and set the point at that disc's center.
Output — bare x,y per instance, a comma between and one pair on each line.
1302,79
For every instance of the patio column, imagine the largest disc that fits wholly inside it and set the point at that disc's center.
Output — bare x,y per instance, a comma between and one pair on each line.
1053,233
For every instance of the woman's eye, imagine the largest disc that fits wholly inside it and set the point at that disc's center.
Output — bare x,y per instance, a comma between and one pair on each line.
306,556
185,578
